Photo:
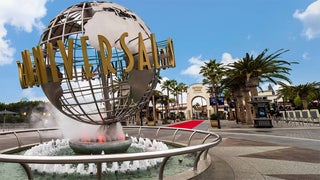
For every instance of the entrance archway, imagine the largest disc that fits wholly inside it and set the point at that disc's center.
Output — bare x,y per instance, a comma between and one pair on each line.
196,93
199,108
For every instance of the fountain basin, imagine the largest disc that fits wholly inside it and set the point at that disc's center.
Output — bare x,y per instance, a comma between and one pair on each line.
109,147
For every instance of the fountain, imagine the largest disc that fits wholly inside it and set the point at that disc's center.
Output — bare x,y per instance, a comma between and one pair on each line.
97,63
62,147
55,159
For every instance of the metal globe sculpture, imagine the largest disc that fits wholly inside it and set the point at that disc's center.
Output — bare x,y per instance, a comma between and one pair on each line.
96,62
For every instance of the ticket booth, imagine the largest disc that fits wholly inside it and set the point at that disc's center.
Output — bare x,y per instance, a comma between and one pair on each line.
261,107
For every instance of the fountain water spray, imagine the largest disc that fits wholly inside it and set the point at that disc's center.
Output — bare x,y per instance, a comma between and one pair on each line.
61,147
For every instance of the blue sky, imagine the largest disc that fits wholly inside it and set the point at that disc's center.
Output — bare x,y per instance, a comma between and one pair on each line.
201,30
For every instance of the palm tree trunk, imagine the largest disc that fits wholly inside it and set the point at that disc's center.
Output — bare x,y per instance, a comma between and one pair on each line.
177,103
247,99
154,113
252,84
239,105
304,103
167,105
240,110
254,91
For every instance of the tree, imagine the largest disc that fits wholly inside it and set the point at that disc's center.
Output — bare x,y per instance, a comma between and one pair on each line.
181,88
167,86
212,72
306,92
174,90
156,95
262,68
302,92
285,92
163,100
236,83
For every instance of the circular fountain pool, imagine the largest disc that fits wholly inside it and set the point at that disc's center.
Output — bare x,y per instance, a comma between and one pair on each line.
137,169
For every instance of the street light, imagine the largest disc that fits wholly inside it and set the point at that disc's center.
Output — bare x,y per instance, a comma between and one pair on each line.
217,92
284,107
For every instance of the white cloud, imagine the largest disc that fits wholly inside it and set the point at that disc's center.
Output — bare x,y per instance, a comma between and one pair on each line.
195,65
22,15
194,68
310,19
305,56
227,58
30,94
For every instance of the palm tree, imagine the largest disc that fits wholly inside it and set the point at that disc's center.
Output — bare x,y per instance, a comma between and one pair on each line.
181,88
236,83
285,92
262,68
167,86
212,72
156,95
174,90
306,92
163,100
230,99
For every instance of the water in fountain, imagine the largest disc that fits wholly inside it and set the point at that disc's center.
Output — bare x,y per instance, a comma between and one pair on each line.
139,169
61,147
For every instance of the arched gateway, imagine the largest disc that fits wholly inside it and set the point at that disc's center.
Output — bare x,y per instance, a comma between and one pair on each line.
198,105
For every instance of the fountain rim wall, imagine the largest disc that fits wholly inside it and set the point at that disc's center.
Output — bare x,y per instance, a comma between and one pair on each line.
200,149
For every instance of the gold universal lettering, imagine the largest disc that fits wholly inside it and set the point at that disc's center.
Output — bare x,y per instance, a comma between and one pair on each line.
87,65
106,61
27,68
36,74
67,58
154,52
22,76
39,65
171,59
52,61
143,59
126,50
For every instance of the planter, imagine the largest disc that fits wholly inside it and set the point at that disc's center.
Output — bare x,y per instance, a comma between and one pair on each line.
152,123
214,123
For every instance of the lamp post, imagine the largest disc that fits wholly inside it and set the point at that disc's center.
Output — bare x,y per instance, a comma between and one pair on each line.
217,89
284,107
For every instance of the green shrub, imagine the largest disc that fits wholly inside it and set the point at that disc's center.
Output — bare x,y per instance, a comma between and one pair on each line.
213,117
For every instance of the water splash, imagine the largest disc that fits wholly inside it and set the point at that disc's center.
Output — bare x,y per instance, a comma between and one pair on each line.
55,147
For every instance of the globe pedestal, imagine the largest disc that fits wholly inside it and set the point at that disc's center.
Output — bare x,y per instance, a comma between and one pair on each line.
108,139
100,147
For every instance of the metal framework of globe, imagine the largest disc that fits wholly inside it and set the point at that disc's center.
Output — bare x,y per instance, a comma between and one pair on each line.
101,99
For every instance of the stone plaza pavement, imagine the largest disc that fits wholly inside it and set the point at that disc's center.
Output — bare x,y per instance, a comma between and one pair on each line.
286,151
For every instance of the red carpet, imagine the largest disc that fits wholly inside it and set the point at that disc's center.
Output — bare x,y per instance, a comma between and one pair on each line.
187,124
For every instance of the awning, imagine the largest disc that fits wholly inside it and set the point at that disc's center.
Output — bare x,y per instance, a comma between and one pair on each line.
7,112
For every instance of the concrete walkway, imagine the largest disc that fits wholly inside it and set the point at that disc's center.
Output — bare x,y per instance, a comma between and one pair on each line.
282,152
